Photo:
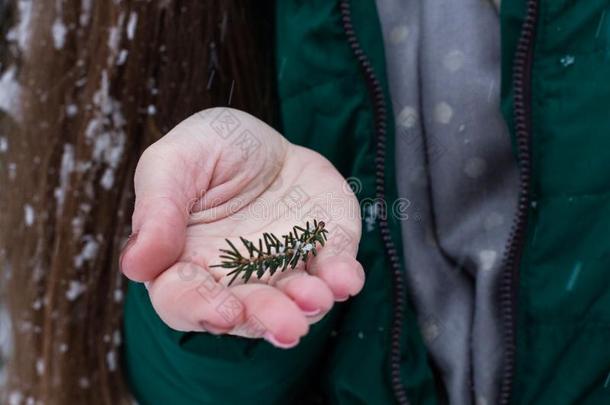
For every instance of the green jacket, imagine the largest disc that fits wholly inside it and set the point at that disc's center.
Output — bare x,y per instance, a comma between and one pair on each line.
334,98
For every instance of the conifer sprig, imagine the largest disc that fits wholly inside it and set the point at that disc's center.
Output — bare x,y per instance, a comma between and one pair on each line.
272,254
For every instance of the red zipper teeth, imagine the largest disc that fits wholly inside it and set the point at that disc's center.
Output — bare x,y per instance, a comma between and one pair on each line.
522,68
380,117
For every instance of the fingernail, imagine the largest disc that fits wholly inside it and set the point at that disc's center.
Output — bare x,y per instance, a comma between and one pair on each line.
310,312
271,339
126,246
342,299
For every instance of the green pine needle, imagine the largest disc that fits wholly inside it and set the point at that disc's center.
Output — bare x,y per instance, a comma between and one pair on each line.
272,254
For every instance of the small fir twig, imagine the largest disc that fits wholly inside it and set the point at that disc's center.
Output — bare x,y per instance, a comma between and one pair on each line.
272,254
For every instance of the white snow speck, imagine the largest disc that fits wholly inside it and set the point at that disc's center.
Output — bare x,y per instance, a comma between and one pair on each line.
89,251
77,225
111,360
487,258
71,110
122,57
131,25
114,38
567,60
40,366
407,117
116,338
107,179
12,171
36,305
59,30
29,214
67,167
75,289
6,342
3,144
9,91
399,34
307,247
574,275
85,14
430,330
454,60
63,348
443,113
118,295
105,132
21,33
151,110
15,398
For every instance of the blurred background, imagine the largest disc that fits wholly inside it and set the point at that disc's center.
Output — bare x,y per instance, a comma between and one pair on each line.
85,87
5,91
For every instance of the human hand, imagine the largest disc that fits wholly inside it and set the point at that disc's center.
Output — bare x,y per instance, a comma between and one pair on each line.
222,174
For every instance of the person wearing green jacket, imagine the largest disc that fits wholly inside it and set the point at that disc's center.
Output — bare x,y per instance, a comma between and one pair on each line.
476,140
442,167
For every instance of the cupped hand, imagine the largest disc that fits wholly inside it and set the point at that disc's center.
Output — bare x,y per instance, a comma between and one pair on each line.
223,174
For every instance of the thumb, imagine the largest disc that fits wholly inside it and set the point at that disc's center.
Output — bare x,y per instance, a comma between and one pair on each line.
171,174
160,216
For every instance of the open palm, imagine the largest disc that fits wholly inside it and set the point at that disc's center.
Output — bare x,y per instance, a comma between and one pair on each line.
223,174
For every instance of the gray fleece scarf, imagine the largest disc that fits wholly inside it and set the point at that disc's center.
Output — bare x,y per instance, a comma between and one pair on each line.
455,166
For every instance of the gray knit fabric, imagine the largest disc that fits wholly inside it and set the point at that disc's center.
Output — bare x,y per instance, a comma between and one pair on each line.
456,168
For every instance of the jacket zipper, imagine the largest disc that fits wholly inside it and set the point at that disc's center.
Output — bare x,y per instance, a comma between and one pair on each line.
522,115
380,122
522,67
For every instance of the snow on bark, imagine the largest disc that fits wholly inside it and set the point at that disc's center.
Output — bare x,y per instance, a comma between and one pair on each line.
59,31
21,32
3,144
5,341
10,91
29,215
89,251
66,169
106,133
75,289
131,25
85,12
